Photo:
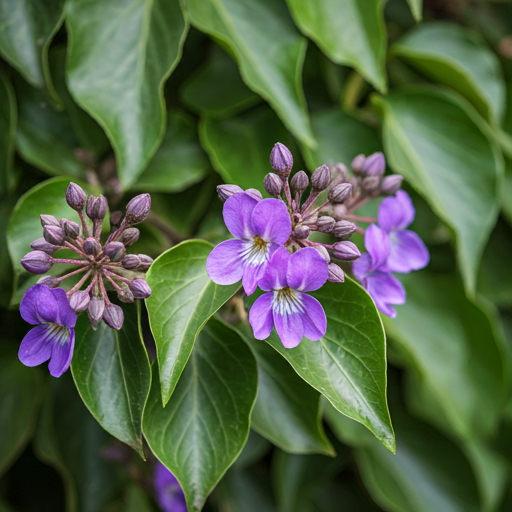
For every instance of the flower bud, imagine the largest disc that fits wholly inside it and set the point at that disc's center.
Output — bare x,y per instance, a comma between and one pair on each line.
336,274
273,184
346,251
91,246
72,229
140,289
113,316
357,164
129,236
374,165
340,173
145,262
54,235
355,184
125,295
255,194
344,229
130,262
325,224
339,211
320,178
281,160
115,251
391,184
225,191
75,197
339,193
138,209
42,245
300,182
301,232
96,308
79,301
50,281
370,184
115,220
49,220
36,262
96,208
323,251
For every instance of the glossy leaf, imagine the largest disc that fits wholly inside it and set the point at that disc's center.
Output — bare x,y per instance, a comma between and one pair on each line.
270,66
349,32
416,7
112,374
183,299
120,54
179,162
205,424
8,119
459,58
437,143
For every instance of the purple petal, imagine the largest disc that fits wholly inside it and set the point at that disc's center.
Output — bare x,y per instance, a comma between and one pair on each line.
274,277
251,275
237,213
224,263
313,319
362,266
408,252
307,270
271,221
168,490
65,315
36,347
289,328
260,316
377,244
62,354
385,289
396,213
40,304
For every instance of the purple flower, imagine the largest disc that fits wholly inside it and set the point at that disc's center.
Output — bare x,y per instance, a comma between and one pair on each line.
292,312
375,276
407,251
53,337
168,491
260,227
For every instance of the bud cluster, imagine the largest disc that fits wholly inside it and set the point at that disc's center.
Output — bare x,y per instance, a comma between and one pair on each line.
103,266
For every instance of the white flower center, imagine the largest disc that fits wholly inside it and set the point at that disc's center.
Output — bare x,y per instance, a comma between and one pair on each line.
255,251
287,301
58,333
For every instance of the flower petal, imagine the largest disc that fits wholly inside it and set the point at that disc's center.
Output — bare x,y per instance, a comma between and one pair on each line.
361,267
224,263
307,270
396,213
271,221
385,289
289,328
313,318
65,315
260,317
274,277
408,252
376,242
251,275
36,347
39,305
62,354
237,213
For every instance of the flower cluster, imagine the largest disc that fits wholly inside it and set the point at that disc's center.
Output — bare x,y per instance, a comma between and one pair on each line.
169,494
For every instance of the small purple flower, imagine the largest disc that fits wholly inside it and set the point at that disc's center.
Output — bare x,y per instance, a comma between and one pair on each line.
168,491
286,307
54,335
407,251
374,274
260,227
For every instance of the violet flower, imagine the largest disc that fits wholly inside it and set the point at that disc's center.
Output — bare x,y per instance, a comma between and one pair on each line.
54,335
169,494
286,307
374,274
407,251
259,228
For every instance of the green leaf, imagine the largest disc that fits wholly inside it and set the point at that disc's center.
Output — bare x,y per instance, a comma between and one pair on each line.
20,397
206,93
120,54
239,147
27,29
348,365
416,6
112,374
205,425
287,410
349,32
269,51
451,340
8,119
459,58
436,141
254,450
137,500
183,299
506,204
179,162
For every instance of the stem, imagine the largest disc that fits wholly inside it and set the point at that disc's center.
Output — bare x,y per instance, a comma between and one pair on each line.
104,292
85,227
114,284
71,262
76,249
312,244
309,201
80,283
316,210
83,269
360,230
358,218
121,278
287,192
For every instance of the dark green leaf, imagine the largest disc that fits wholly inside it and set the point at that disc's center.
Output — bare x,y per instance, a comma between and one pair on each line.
255,449
436,141
205,424
269,51
6,277
112,373
8,119
349,32
137,501
120,54
183,300
416,7
506,203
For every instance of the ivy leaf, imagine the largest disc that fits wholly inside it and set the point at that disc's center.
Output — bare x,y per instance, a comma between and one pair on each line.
120,54
112,374
183,299
437,142
8,118
205,424
349,32
269,51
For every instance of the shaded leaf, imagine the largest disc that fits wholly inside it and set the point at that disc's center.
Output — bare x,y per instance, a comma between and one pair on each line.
8,119
255,449
416,7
